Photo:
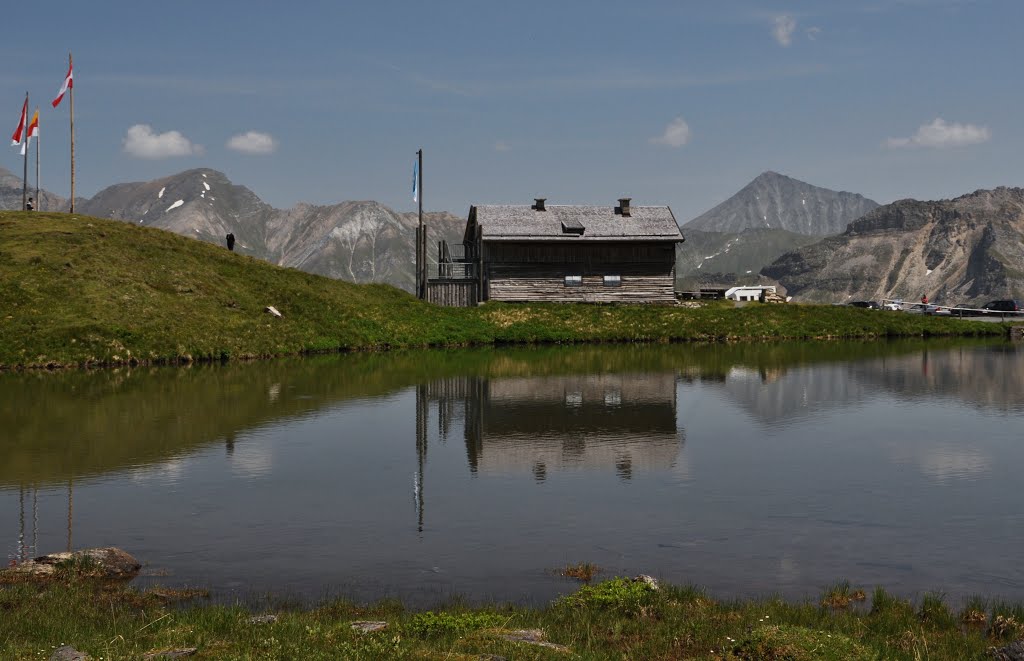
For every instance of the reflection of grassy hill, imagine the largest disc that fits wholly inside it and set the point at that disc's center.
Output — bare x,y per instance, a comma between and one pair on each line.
64,424
76,290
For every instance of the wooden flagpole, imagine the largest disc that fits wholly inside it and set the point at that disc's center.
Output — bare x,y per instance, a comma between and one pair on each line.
421,259
24,177
72,91
39,203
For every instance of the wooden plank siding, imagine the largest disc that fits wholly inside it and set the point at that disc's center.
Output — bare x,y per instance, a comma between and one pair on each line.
452,293
536,272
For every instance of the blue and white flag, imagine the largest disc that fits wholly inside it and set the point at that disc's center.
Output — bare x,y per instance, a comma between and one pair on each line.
416,181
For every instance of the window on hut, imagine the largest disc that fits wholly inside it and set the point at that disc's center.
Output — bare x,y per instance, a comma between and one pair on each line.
613,281
573,280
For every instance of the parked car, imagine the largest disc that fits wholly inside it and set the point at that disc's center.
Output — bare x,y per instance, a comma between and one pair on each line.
893,305
964,310
1008,305
870,305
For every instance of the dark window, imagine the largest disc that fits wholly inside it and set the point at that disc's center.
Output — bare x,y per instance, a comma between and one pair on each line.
613,281
573,280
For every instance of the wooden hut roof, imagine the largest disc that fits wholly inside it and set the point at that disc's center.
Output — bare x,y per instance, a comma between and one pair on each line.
564,222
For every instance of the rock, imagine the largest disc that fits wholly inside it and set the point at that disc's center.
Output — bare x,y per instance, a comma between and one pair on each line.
263,619
532,637
772,297
272,311
651,582
110,563
68,653
171,654
368,626
1012,652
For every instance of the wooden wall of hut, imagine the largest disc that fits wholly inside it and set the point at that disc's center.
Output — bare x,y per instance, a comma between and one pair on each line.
453,293
536,272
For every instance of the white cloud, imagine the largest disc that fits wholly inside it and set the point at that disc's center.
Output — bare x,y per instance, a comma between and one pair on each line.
140,141
812,33
783,29
501,145
253,142
676,134
939,134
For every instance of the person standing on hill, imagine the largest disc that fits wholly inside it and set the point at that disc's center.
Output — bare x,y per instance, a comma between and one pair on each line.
924,299
31,205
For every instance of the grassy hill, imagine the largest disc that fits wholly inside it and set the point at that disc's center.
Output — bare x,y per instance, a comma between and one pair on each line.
76,290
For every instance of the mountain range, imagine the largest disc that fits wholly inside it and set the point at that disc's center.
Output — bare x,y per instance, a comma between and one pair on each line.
821,245
966,250
355,241
767,218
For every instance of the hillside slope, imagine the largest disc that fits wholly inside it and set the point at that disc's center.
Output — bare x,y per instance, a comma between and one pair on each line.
76,290
722,257
11,193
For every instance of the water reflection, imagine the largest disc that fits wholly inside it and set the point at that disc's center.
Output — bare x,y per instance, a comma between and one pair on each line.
541,424
747,468
988,377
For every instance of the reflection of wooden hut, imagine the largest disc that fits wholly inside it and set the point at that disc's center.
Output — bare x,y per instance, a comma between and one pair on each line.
542,424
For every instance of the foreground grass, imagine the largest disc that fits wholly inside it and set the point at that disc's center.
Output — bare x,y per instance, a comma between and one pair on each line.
616,619
76,290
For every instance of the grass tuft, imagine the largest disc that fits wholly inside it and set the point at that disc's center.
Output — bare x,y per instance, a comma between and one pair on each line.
581,571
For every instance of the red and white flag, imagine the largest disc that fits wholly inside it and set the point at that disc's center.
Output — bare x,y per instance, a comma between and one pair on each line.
33,131
20,131
68,83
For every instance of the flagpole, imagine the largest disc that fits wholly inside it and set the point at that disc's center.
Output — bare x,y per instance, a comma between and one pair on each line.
72,90
421,248
39,202
24,178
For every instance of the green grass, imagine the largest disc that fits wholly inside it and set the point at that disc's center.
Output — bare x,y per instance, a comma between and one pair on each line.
617,619
76,290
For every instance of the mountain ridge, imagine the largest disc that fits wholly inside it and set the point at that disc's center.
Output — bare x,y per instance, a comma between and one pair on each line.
967,249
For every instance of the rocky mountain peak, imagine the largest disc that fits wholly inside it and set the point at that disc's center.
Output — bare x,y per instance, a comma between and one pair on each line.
777,201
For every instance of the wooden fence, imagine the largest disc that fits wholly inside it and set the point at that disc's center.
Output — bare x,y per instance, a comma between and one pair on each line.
453,293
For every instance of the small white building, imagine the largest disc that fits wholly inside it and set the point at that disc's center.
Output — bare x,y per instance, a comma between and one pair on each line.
749,293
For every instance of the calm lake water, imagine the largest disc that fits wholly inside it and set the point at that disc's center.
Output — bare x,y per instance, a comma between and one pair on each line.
745,469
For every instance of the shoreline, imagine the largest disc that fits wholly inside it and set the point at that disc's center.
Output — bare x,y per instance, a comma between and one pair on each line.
612,618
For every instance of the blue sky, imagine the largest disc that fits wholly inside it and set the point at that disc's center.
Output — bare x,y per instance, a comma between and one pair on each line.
678,103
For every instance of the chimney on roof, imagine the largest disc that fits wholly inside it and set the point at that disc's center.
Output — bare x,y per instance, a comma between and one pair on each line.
538,204
623,208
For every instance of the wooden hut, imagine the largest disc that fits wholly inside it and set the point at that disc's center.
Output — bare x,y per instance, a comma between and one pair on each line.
563,253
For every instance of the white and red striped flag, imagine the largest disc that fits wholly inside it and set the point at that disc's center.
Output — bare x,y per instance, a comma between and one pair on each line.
68,83
20,131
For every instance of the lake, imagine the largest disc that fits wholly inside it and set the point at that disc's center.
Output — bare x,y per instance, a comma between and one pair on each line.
745,469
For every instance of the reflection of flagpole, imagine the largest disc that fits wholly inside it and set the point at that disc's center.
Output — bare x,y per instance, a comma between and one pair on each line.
35,520
71,506
421,449
21,521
